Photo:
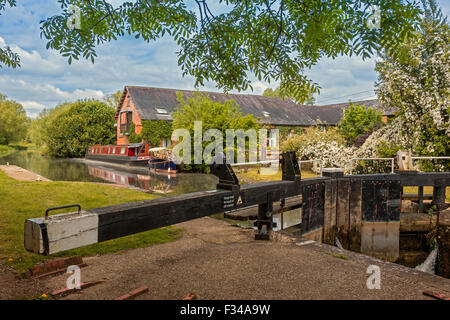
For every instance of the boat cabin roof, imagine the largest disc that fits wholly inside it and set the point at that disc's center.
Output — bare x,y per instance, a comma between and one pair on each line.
136,145
157,149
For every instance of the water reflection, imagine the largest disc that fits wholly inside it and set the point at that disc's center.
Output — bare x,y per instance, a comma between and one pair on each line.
95,171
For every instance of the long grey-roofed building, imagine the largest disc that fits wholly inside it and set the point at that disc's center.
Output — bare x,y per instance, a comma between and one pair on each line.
138,104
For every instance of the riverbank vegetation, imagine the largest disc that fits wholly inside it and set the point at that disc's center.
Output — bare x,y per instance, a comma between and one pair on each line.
21,200
13,121
6,150
68,129
416,82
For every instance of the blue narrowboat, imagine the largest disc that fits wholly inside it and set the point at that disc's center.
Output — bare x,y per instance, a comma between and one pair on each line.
160,160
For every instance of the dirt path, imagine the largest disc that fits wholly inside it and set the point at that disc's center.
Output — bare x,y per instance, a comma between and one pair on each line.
21,174
14,288
215,260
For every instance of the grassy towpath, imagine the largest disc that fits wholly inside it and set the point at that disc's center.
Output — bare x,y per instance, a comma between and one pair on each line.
21,200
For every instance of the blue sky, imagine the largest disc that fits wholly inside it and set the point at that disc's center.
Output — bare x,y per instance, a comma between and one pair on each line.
45,78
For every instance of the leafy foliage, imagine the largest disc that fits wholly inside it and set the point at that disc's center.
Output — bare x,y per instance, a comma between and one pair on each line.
416,82
387,149
312,136
13,121
213,114
36,129
358,120
72,127
151,132
7,56
287,131
272,40
3,4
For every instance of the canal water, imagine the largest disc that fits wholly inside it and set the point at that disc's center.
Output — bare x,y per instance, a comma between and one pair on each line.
95,171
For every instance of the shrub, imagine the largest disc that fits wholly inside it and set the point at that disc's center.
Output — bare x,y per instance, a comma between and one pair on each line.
72,127
13,121
358,120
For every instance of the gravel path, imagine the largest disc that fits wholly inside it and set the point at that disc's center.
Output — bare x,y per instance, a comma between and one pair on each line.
21,174
13,288
215,260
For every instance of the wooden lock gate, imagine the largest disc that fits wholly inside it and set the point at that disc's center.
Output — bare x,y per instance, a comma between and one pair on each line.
361,210
66,231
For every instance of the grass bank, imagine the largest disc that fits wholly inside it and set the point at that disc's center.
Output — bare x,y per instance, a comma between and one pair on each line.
415,190
254,175
21,200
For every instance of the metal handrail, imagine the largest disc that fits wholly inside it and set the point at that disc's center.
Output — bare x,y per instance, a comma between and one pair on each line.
254,162
391,159
430,158
275,161
351,162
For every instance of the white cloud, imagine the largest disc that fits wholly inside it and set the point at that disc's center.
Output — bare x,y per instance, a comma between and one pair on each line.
344,78
32,108
33,63
34,96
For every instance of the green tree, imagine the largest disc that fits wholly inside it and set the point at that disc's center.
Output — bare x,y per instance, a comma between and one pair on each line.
36,129
272,40
72,127
13,121
213,115
113,99
358,120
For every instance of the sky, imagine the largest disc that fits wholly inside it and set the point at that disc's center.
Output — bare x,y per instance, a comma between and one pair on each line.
45,79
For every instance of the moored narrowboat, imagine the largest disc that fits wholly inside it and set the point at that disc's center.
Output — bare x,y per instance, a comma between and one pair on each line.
160,160
135,155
